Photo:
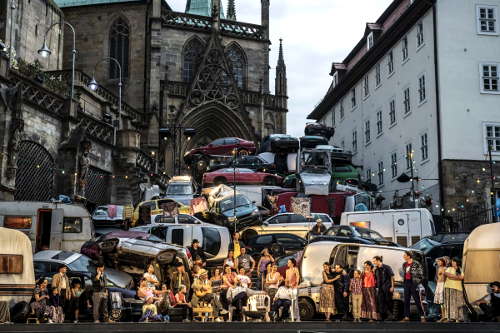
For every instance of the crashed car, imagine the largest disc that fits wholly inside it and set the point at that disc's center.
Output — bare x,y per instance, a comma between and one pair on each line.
132,251
315,171
112,215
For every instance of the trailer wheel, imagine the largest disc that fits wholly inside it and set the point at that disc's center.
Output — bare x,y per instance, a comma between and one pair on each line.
307,309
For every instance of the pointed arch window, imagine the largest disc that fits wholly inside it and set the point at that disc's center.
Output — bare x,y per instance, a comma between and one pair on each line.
119,48
193,51
238,65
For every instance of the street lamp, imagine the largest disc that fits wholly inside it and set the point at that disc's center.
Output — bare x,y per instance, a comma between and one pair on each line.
176,132
93,85
45,52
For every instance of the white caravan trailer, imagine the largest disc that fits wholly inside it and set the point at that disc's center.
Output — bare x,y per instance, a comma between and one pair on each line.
50,226
402,226
481,260
17,277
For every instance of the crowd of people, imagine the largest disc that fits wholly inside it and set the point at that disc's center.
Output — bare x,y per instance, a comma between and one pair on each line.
344,295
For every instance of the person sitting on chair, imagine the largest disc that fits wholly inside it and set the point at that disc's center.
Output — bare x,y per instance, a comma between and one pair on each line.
202,293
237,296
282,299
492,311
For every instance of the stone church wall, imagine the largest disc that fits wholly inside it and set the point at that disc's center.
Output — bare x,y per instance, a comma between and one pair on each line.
92,24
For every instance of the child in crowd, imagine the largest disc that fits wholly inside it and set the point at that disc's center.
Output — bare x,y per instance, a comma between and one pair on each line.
355,287
76,293
56,301
150,311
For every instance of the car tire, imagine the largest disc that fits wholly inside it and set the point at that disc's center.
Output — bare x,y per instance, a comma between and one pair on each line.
307,309
220,180
270,181
243,152
397,310
248,235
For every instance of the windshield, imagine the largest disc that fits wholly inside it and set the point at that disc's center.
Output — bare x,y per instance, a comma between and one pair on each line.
425,245
179,189
227,204
315,160
367,233
82,264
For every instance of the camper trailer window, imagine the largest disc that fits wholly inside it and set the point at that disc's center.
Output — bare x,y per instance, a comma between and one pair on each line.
11,264
72,225
17,222
480,266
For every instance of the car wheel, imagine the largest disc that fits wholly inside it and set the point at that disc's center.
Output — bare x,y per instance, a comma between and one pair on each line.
220,180
270,181
248,235
243,152
307,309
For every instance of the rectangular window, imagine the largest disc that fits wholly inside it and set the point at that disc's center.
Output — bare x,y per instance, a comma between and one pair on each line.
390,62
394,165
406,100
11,264
17,222
380,173
369,175
404,48
424,148
354,141
409,156
342,109
392,112
487,20
353,98
489,78
333,116
366,86
367,131
493,137
369,41
421,89
72,225
377,74
420,34
379,122
342,144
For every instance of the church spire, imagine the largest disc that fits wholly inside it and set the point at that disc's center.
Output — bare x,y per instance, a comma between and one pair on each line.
281,80
231,10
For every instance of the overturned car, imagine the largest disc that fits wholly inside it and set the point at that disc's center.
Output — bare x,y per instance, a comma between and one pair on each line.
315,171
132,252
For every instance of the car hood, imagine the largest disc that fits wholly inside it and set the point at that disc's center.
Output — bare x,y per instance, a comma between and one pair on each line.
240,211
316,183
118,278
184,199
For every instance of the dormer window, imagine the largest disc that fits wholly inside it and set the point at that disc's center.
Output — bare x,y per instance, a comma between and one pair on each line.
335,79
370,41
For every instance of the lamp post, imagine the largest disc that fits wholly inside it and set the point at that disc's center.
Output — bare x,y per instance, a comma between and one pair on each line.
93,85
175,133
13,6
45,52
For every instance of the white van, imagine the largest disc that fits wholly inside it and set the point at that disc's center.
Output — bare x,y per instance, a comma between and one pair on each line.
351,256
403,226
481,260
50,226
182,229
17,277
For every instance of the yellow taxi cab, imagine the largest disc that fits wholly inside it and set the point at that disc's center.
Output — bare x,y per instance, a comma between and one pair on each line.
144,210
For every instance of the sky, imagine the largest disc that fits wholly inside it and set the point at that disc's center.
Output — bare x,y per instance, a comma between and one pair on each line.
315,33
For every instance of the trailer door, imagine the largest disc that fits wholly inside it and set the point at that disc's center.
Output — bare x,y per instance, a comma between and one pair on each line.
56,229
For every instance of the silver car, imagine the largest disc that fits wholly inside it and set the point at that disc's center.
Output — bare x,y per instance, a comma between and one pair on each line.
181,189
289,223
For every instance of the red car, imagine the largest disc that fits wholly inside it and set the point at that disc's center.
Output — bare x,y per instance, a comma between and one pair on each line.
241,176
225,147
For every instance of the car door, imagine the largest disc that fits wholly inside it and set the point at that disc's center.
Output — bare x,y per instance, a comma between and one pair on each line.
275,224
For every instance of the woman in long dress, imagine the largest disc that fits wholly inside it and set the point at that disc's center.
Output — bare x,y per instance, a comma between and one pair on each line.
453,293
326,296
440,279
41,302
369,303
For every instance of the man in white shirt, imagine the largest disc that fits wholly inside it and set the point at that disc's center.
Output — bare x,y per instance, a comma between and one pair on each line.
238,294
244,279
283,298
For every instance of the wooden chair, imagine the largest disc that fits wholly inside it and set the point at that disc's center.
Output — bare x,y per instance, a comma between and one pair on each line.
260,304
